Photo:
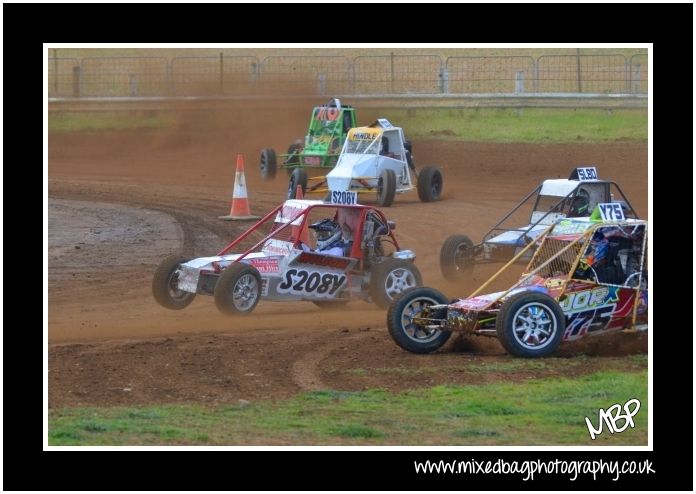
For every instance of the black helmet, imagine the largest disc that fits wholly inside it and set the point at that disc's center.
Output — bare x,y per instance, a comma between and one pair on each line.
328,233
581,204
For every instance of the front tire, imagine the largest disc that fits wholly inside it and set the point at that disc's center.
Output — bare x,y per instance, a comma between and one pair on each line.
530,325
238,289
386,188
391,277
430,184
456,258
298,177
164,284
268,164
409,335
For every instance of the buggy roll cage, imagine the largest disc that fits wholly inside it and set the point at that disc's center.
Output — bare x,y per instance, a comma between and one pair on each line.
365,210
556,207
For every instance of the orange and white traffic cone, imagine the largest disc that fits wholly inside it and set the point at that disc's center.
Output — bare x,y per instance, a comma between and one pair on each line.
239,209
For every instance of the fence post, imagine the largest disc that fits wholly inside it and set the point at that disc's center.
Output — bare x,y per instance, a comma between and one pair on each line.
321,79
351,76
444,80
222,79
133,84
579,79
76,81
636,79
535,74
519,82
55,71
391,57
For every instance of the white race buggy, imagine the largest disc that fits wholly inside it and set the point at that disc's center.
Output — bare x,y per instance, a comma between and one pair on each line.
551,201
277,267
377,159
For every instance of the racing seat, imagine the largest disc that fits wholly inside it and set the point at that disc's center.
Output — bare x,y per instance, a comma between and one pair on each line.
346,121
347,248
609,270
385,147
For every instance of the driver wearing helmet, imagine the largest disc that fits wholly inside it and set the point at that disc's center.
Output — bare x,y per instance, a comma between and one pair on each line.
330,238
580,205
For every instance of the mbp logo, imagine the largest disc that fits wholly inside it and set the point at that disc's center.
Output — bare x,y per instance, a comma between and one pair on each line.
612,415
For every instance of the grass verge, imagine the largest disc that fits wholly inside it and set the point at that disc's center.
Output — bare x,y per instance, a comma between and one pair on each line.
534,125
548,411
92,121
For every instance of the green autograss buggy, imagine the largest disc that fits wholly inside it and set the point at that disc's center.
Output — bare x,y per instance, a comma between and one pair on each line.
328,128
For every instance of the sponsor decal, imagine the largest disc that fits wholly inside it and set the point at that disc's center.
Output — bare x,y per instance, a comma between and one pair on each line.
477,302
589,299
642,302
568,227
364,134
580,323
312,160
320,260
289,211
329,114
264,287
280,247
266,265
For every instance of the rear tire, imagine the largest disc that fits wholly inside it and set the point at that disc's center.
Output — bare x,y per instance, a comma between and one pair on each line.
386,188
530,325
268,164
298,177
430,184
456,258
408,335
164,284
238,289
391,277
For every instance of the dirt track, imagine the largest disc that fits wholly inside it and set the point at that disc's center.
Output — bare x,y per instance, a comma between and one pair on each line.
144,194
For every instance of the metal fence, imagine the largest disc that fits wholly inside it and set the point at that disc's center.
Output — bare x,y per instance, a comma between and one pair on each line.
397,74
305,75
62,77
490,75
638,68
336,75
213,75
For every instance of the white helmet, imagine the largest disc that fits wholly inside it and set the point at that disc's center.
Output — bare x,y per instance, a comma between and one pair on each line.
328,233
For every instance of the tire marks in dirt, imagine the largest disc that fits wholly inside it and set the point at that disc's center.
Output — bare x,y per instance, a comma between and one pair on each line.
306,370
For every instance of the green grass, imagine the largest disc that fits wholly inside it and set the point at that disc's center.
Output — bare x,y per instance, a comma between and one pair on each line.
547,411
92,121
534,125
485,368
550,125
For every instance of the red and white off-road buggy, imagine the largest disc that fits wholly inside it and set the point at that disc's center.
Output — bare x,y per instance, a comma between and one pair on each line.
271,263
586,277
